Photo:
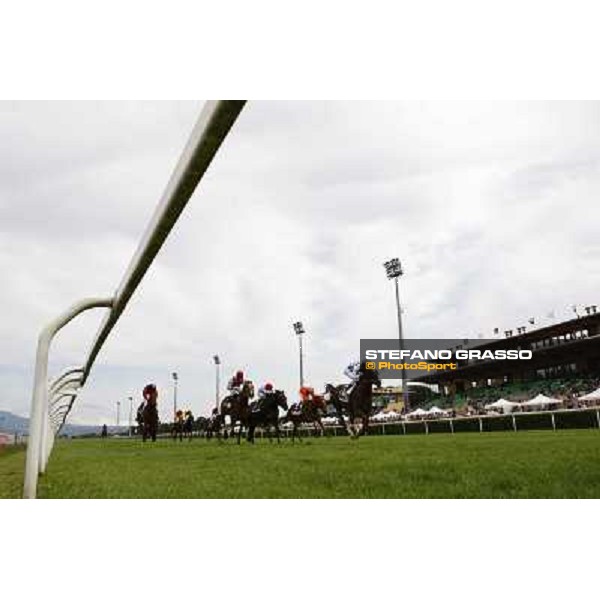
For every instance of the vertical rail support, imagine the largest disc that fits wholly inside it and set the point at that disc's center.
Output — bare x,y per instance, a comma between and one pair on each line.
514,423
451,425
480,425
553,421
41,435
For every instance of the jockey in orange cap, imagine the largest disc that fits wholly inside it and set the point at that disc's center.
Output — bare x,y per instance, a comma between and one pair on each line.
307,394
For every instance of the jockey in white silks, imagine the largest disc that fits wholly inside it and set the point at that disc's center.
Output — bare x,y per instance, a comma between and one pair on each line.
352,371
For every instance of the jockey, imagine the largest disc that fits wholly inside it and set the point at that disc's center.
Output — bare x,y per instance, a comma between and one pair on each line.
307,395
236,382
353,372
264,391
150,394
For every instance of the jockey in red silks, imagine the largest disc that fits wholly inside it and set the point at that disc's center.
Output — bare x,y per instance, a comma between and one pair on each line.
150,394
309,399
236,382
306,394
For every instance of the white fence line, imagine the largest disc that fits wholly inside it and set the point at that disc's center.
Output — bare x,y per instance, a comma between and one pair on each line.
47,417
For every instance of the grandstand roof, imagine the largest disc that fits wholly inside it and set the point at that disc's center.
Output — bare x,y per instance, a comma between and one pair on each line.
556,352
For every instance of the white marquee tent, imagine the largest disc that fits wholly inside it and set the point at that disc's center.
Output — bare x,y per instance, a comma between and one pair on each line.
502,404
541,400
419,412
591,397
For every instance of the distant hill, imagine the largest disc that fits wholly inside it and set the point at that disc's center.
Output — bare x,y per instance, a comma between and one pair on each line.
11,423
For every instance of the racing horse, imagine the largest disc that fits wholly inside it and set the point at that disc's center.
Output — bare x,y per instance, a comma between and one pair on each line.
307,412
358,404
177,429
149,415
188,425
265,413
214,425
237,407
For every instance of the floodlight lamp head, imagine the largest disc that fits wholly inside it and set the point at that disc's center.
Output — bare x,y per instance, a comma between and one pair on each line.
393,268
298,327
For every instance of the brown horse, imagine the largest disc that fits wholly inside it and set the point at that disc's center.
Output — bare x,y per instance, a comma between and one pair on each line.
188,425
265,413
177,429
237,407
358,404
311,411
150,420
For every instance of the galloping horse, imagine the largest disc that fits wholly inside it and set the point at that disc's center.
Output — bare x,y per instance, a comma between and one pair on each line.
147,413
237,407
359,404
307,412
188,425
201,424
266,414
214,425
150,420
177,429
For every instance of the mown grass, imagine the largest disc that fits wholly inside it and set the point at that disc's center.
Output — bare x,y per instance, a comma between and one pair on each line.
540,464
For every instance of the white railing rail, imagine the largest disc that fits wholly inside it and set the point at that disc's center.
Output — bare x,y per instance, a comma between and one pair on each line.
48,417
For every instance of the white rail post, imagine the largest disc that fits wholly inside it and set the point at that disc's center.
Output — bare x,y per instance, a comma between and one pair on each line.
452,425
553,422
514,423
212,127
38,421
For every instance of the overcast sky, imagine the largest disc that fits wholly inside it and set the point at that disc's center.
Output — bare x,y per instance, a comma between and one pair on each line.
493,209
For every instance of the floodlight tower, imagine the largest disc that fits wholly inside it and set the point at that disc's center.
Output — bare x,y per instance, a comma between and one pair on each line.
130,414
393,270
175,379
299,329
217,365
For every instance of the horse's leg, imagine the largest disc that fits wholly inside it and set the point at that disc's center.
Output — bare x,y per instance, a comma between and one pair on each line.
365,425
321,427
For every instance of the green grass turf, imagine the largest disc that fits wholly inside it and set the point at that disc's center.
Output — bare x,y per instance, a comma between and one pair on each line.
539,464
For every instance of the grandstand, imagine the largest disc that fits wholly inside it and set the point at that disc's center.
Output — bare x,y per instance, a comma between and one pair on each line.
565,363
